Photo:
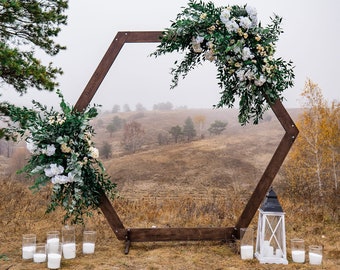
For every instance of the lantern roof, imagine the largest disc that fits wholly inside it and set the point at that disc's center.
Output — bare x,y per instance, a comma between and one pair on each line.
271,203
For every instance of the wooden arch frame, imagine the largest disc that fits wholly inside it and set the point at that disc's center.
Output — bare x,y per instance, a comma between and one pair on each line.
184,234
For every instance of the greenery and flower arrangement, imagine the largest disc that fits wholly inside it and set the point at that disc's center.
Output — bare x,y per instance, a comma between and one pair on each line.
63,155
242,50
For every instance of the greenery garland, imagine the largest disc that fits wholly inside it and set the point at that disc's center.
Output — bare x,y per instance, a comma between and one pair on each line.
242,50
62,155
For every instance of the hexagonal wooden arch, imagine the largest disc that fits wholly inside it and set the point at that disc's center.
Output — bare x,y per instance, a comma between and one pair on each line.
184,234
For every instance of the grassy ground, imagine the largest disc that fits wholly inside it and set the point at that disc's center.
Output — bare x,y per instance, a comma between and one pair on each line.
26,215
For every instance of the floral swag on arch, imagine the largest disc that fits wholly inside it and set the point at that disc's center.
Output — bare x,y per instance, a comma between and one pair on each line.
242,50
63,156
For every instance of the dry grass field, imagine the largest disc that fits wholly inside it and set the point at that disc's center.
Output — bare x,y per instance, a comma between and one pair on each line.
204,183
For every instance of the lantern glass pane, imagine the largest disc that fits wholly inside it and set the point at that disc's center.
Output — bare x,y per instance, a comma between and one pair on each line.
274,231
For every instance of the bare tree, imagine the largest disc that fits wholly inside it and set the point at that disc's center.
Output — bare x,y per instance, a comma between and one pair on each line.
133,137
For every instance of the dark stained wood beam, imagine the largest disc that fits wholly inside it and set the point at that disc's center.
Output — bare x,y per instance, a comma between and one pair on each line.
109,57
180,234
272,168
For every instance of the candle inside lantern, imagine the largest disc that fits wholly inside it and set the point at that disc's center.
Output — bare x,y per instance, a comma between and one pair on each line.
247,252
69,250
268,251
278,253
53,260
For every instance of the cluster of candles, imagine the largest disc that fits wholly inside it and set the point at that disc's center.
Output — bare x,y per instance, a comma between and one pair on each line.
55,248
298,252
297,249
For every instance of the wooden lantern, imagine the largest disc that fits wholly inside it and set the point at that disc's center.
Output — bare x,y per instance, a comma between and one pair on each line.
271,235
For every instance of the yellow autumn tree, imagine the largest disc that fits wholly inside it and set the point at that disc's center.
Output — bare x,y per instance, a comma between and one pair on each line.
312,167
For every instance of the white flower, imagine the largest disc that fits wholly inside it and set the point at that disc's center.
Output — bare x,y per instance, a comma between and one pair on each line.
50,150
245,22
241,75
232,26
252,14
260,81
249,75
199,39
225,15
53,170
246,54
94,152
31,146
59,179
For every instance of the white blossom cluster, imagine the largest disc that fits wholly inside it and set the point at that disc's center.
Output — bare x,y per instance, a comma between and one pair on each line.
57,173
238,25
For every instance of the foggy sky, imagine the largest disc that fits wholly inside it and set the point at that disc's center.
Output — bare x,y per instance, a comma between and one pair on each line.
310,40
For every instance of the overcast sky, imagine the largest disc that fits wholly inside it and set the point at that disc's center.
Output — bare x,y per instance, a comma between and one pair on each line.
310,39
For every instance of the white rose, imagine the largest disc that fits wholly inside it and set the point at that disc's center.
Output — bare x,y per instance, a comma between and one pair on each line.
225,15
50,150
31,146
252,14
245,22
199,39
246,54
232,26
260,81
241,75
60,179
53,170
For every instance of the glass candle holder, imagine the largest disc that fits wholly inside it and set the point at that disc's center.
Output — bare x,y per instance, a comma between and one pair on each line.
53,239
89,241
298,250
28,246
54,255
39,255
315,255
247,243
69,242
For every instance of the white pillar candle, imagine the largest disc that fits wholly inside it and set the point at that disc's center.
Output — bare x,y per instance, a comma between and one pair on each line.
27,252
39,257
298,256
53,261
278,253
268,251
88,248
247,252
315,258
69,250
